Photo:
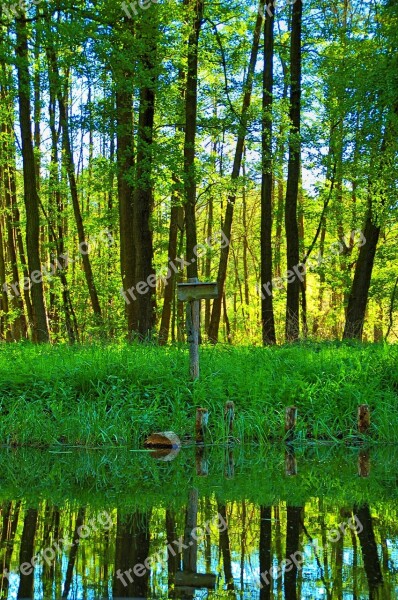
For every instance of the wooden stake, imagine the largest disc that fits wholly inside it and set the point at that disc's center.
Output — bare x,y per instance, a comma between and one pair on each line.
229,464
202,418
290,463
290,422
364,462
229,415
363,418
202,465
193,326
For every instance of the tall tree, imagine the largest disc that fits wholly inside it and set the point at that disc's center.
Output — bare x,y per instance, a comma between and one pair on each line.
293,177
267,309
358,298
143,202
229,212
31,198
191,114
124,82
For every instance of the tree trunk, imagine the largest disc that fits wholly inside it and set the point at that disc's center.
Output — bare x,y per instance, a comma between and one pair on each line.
292,238
191,111
267,309
31,198
169,291
227,225
70,168
143,202
125,166
358,298
265,552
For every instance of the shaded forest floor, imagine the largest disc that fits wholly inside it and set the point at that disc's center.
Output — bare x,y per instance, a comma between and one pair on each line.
116,395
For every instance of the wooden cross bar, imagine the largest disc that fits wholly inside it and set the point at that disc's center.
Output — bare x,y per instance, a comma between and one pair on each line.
191,293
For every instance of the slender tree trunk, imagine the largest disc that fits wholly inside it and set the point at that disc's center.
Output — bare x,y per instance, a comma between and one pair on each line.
19,325
358,298
169,291
317,319
227,224
267,309
4,319
21,249
55,220
225,547
70,168
73,552
265,550
303,284
293,177
31,198
191,113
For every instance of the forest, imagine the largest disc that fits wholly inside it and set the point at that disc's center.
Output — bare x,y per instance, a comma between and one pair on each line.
185,180
149,143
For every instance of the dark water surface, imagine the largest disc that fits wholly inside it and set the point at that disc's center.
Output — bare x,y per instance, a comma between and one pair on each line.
320,524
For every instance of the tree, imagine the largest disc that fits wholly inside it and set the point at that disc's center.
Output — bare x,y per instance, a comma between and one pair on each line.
31,198
267,309
293,177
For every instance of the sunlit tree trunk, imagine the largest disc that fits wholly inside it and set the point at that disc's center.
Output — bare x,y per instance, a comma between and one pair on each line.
31,198
292,187
191,113
267,309
143,202
229,212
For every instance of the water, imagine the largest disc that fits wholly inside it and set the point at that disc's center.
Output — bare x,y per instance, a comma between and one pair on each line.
240,524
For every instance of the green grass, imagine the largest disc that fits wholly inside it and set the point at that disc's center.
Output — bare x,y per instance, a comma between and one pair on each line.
116,395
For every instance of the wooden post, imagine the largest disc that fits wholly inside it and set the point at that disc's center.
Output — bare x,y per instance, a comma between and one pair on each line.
364,462
290,422
202,418
229,463
193,325
191,293
202,465
229,415
363,418
290,462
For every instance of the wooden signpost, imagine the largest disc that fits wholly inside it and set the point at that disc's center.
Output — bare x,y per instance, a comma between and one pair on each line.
191,293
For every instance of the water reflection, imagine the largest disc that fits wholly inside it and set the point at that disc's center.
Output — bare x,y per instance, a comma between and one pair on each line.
212,538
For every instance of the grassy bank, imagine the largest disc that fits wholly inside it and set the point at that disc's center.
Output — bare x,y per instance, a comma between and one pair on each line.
115,395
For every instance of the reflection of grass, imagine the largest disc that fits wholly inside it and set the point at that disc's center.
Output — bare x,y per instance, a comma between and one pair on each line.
119,478
115,395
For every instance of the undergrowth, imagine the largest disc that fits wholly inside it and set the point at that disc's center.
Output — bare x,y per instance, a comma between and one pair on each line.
117,394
